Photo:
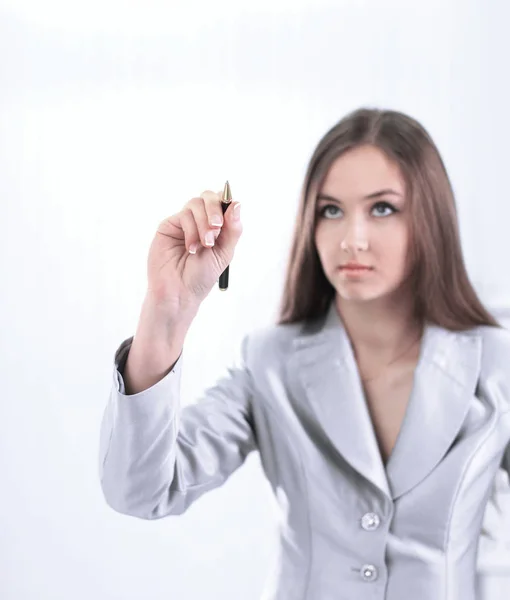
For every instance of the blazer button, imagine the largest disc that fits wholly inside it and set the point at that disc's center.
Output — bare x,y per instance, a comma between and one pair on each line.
369,572
370,521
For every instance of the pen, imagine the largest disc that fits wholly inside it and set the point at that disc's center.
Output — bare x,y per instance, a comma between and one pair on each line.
225,203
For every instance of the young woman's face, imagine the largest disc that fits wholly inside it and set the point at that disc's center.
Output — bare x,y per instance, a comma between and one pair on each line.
362,217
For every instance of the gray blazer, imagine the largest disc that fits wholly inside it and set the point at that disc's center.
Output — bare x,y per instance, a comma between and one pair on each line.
352,529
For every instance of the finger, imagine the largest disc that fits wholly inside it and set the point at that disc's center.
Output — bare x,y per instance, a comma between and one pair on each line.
212,203
197,207
190,229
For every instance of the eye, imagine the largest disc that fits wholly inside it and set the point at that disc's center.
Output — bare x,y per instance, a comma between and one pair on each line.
379,208
323,210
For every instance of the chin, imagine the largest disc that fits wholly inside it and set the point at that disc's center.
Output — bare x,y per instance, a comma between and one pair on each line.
362,295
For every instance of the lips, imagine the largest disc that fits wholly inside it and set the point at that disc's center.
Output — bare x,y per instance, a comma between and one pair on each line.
355,268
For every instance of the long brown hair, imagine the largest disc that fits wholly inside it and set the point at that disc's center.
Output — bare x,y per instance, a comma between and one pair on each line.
442,291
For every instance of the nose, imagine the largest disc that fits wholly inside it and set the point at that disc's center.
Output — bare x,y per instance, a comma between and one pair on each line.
355,234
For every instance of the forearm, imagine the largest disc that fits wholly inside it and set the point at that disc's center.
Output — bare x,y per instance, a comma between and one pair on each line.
156,346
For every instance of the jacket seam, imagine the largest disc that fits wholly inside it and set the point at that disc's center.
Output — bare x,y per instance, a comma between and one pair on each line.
248,417
268,409
457,492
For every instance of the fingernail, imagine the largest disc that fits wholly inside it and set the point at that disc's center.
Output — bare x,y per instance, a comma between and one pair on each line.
237,211
216,220
193,248
209,238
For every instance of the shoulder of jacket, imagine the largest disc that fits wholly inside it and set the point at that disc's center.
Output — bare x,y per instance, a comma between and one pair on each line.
495,337
495,348
271,339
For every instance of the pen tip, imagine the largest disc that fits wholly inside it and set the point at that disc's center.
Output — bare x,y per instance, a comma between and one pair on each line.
227,192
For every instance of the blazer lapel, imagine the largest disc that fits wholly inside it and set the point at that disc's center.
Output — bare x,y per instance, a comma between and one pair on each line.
323,363
444,384
325,368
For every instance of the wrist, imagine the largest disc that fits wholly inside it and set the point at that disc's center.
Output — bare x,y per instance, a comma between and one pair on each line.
162,326
163,310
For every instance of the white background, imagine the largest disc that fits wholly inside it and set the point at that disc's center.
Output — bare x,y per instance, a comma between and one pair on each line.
112,115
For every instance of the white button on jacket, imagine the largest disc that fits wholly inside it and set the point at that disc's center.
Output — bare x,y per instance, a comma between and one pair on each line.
369,573
354,529
370,521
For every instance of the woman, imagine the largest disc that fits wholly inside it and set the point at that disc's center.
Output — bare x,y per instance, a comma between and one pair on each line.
379,403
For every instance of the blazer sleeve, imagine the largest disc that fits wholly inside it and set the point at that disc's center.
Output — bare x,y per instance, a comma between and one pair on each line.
155,458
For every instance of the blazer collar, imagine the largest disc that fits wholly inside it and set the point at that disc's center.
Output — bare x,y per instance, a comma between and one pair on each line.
324,366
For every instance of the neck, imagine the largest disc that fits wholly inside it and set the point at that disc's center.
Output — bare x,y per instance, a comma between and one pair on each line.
379,329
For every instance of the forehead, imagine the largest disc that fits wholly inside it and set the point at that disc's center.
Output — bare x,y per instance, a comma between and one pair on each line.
361,171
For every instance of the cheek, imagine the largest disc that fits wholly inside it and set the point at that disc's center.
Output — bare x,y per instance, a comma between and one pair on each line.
396,247
325,241
393,250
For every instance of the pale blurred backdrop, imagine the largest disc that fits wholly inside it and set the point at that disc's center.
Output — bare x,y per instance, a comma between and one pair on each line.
113,114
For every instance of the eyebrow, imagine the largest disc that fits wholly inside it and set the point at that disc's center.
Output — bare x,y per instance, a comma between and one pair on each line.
369,197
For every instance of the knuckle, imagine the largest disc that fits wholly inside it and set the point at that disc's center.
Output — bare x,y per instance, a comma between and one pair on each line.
199,212
213,212
196,204
211,199
209,195
189,226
